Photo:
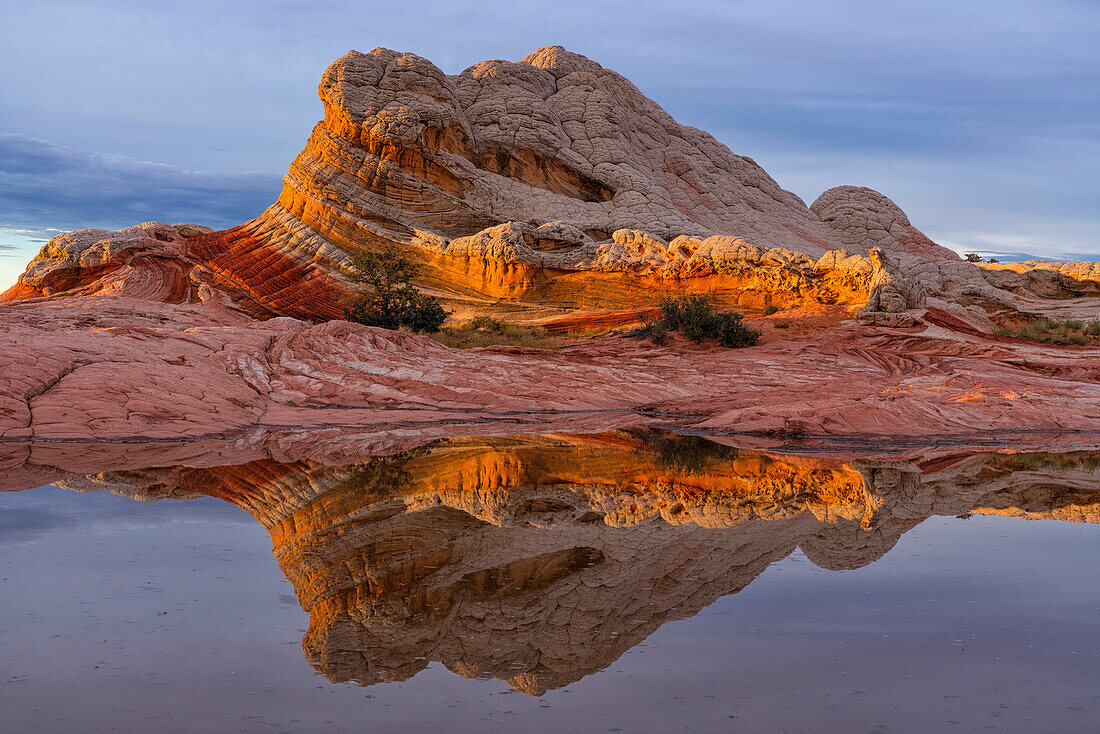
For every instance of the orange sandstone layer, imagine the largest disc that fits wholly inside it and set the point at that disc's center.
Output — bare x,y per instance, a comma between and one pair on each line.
234,272
548,190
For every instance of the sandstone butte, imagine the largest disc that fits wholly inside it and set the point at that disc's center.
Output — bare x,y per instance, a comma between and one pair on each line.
547,191
405,552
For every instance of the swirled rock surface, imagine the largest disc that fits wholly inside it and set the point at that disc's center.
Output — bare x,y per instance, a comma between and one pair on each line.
125,369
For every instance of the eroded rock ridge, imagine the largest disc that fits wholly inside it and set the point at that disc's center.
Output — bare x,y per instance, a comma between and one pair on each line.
549,184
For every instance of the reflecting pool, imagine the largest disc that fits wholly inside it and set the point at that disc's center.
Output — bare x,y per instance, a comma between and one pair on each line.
633,580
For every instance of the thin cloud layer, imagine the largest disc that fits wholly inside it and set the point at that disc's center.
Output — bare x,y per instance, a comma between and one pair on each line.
45,188
979,117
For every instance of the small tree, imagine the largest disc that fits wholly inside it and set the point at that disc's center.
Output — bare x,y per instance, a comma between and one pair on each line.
973,257
390,300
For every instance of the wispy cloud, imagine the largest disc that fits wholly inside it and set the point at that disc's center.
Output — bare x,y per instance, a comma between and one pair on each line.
45,188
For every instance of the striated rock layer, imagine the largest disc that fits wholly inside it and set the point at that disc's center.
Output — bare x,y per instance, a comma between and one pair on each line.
539,559
547,184
125,369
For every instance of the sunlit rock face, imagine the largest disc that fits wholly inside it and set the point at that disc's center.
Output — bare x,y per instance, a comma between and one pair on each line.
549,184
510,176
231,273
541,559
1066,289
123,369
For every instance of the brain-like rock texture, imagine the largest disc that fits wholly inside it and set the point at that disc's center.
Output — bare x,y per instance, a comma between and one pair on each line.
549,184
555,180
863,219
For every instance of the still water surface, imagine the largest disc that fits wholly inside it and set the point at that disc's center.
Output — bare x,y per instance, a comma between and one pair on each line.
618,582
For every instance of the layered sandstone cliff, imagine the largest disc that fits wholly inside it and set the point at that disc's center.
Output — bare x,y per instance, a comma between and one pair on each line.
532,188
547,184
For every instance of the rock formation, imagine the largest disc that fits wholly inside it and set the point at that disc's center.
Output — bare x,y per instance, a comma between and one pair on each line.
550,183
534,188
541,559
124,369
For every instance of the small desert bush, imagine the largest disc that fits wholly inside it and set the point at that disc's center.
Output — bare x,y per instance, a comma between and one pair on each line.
696,318
1070,331
687,454
653,328
782,324
486,323
771,309
381,477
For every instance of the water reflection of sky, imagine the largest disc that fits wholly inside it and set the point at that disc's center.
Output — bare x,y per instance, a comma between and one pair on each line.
173,616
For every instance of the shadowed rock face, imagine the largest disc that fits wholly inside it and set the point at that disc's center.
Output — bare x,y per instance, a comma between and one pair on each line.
550,183
541,559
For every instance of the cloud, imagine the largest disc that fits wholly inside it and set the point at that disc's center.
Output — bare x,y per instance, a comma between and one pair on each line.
974,115
50,511
46,188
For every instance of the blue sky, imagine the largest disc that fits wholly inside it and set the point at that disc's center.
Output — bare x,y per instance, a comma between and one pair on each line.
981,119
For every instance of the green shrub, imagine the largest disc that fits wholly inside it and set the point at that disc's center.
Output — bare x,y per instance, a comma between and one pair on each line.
390,301
676,452
381,477
771,309
695,317
973,257
654,329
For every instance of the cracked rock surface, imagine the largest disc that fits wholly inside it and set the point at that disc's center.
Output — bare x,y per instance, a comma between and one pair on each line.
121,369
546,188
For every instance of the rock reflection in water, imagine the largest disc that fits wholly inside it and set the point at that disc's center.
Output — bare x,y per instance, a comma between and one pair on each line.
541,559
